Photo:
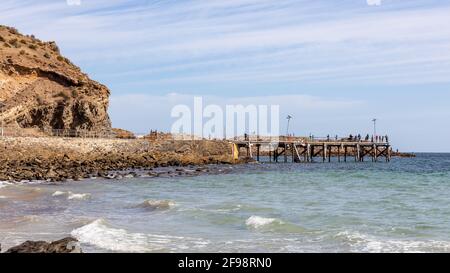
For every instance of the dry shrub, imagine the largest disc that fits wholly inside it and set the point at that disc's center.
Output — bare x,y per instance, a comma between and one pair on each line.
62,94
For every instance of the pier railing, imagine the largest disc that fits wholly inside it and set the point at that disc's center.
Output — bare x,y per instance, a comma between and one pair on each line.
34,132
154,135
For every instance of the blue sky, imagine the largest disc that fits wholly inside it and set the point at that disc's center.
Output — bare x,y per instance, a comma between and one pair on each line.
333,65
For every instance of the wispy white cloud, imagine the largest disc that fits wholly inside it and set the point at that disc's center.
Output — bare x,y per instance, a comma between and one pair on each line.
244,40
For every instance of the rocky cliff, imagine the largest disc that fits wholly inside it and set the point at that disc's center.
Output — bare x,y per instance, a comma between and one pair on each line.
40,88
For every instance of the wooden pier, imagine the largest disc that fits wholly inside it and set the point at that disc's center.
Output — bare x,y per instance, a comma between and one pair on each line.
313,151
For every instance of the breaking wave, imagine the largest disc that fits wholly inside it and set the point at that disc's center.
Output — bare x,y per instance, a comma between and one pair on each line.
72,196
99,234
260,222
273,225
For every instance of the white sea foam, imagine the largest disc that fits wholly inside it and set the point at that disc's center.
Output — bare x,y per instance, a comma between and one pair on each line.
59,193
259,222
72,196
365,243
157,204
78,196
4,184
99,234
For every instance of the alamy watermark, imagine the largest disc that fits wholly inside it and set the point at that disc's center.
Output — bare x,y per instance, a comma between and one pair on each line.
212,121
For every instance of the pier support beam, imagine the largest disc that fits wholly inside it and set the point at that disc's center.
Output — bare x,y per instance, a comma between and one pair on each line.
329,153
309,152
258,148
345,153
324,152
358,153
375,152
285,153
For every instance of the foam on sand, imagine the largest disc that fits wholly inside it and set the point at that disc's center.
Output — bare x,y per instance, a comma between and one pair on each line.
100,234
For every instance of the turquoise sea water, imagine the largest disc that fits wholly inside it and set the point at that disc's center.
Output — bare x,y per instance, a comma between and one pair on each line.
402,206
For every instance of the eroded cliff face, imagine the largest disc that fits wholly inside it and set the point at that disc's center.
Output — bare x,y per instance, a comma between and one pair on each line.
42,89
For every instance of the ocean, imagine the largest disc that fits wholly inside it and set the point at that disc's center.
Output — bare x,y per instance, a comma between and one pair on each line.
401,206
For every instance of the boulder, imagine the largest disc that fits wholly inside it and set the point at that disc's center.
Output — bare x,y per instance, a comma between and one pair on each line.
66,245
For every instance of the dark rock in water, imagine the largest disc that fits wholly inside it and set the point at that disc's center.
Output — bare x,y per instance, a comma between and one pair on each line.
66,245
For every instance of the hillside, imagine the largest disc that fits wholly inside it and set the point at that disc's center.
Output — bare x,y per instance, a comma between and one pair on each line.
40,88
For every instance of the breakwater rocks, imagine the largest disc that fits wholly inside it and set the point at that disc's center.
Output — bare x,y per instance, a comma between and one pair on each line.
66,245
406,155
59,159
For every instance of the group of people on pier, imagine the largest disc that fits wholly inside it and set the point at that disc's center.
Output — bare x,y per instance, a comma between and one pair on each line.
357,138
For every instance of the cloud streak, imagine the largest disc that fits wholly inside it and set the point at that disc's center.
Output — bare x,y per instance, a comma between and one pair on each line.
245,40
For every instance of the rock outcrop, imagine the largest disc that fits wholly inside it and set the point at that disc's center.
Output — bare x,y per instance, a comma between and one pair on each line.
66,245
39,88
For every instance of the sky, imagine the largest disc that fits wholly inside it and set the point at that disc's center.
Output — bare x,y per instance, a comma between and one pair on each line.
332,65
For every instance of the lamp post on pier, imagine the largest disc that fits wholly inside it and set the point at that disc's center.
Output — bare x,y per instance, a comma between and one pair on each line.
289,117
374,128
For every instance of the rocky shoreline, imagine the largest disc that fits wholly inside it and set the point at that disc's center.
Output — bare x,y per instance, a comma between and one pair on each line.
50,159
66,245
60,159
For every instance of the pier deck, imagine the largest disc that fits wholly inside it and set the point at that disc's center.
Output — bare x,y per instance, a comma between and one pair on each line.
309,151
